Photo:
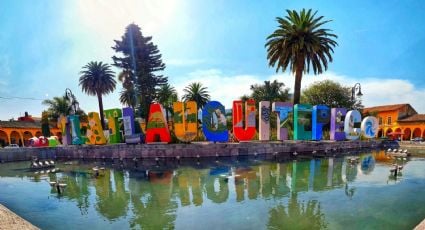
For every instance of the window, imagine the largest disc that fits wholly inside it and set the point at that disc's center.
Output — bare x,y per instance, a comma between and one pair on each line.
380,120
389,121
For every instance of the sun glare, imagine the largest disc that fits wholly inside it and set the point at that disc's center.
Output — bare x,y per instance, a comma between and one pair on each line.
109,18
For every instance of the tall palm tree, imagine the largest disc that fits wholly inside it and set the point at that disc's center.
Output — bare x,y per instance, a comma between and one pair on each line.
97,79
166,95
196,92
298,43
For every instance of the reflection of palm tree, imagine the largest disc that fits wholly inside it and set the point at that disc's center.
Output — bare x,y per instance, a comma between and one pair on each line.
298,215
152,202
349,192
77,189
111,204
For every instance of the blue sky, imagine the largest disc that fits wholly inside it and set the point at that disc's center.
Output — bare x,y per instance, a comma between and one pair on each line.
44,44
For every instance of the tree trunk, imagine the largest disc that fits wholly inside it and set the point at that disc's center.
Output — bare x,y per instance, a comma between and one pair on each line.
298,78
102,117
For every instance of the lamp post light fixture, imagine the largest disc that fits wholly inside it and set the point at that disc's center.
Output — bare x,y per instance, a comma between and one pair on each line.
74,104
356,88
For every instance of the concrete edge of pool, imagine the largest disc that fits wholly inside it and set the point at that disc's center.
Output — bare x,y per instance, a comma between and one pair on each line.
10,220
193,150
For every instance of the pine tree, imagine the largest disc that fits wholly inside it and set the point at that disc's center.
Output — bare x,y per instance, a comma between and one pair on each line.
140,62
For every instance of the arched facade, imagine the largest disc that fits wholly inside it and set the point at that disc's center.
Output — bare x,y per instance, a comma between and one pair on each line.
402,119
417,132
407,134
380,133
4,138
16,138
26,136
19,132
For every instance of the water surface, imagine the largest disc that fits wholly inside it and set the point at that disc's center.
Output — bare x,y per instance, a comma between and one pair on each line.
326,193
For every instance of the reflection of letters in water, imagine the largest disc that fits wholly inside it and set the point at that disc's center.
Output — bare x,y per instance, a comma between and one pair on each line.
127,124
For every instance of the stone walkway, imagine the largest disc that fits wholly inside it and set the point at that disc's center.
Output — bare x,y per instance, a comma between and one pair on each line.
421,226
9,220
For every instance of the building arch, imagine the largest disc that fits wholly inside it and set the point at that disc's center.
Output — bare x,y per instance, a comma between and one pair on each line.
4,138
16,138
417,133
407,134
38,134
26,137
380,133
388,132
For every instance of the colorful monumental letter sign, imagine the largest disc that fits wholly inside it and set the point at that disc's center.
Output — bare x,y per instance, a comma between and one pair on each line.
308,123
264,123
369,126
75,130
248,132
130,135
64,126
302,122
352,123
185,120
157,127
95,134
214,127
337,124
283,110
113,125
321,116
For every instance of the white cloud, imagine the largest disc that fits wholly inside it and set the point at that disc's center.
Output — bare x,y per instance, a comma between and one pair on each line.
376,91
223,88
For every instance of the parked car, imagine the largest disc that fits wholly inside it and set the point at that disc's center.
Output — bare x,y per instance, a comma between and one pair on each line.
417,139
12,146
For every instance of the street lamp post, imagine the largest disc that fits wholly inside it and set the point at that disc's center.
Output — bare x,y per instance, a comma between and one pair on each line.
356,88
70,96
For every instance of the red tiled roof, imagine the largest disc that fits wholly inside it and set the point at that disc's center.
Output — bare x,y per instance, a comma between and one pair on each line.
384,108
21,124
416,117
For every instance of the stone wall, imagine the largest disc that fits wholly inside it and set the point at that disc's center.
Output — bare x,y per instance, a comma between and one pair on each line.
196,149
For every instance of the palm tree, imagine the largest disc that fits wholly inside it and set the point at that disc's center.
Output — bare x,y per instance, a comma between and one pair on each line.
97,79
62,106
166,95
128,95
270,91
58,106
196,92
298,43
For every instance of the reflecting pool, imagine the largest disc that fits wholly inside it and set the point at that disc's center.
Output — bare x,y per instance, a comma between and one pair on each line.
324,193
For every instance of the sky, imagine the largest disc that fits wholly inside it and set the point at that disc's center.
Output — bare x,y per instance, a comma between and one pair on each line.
44,44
